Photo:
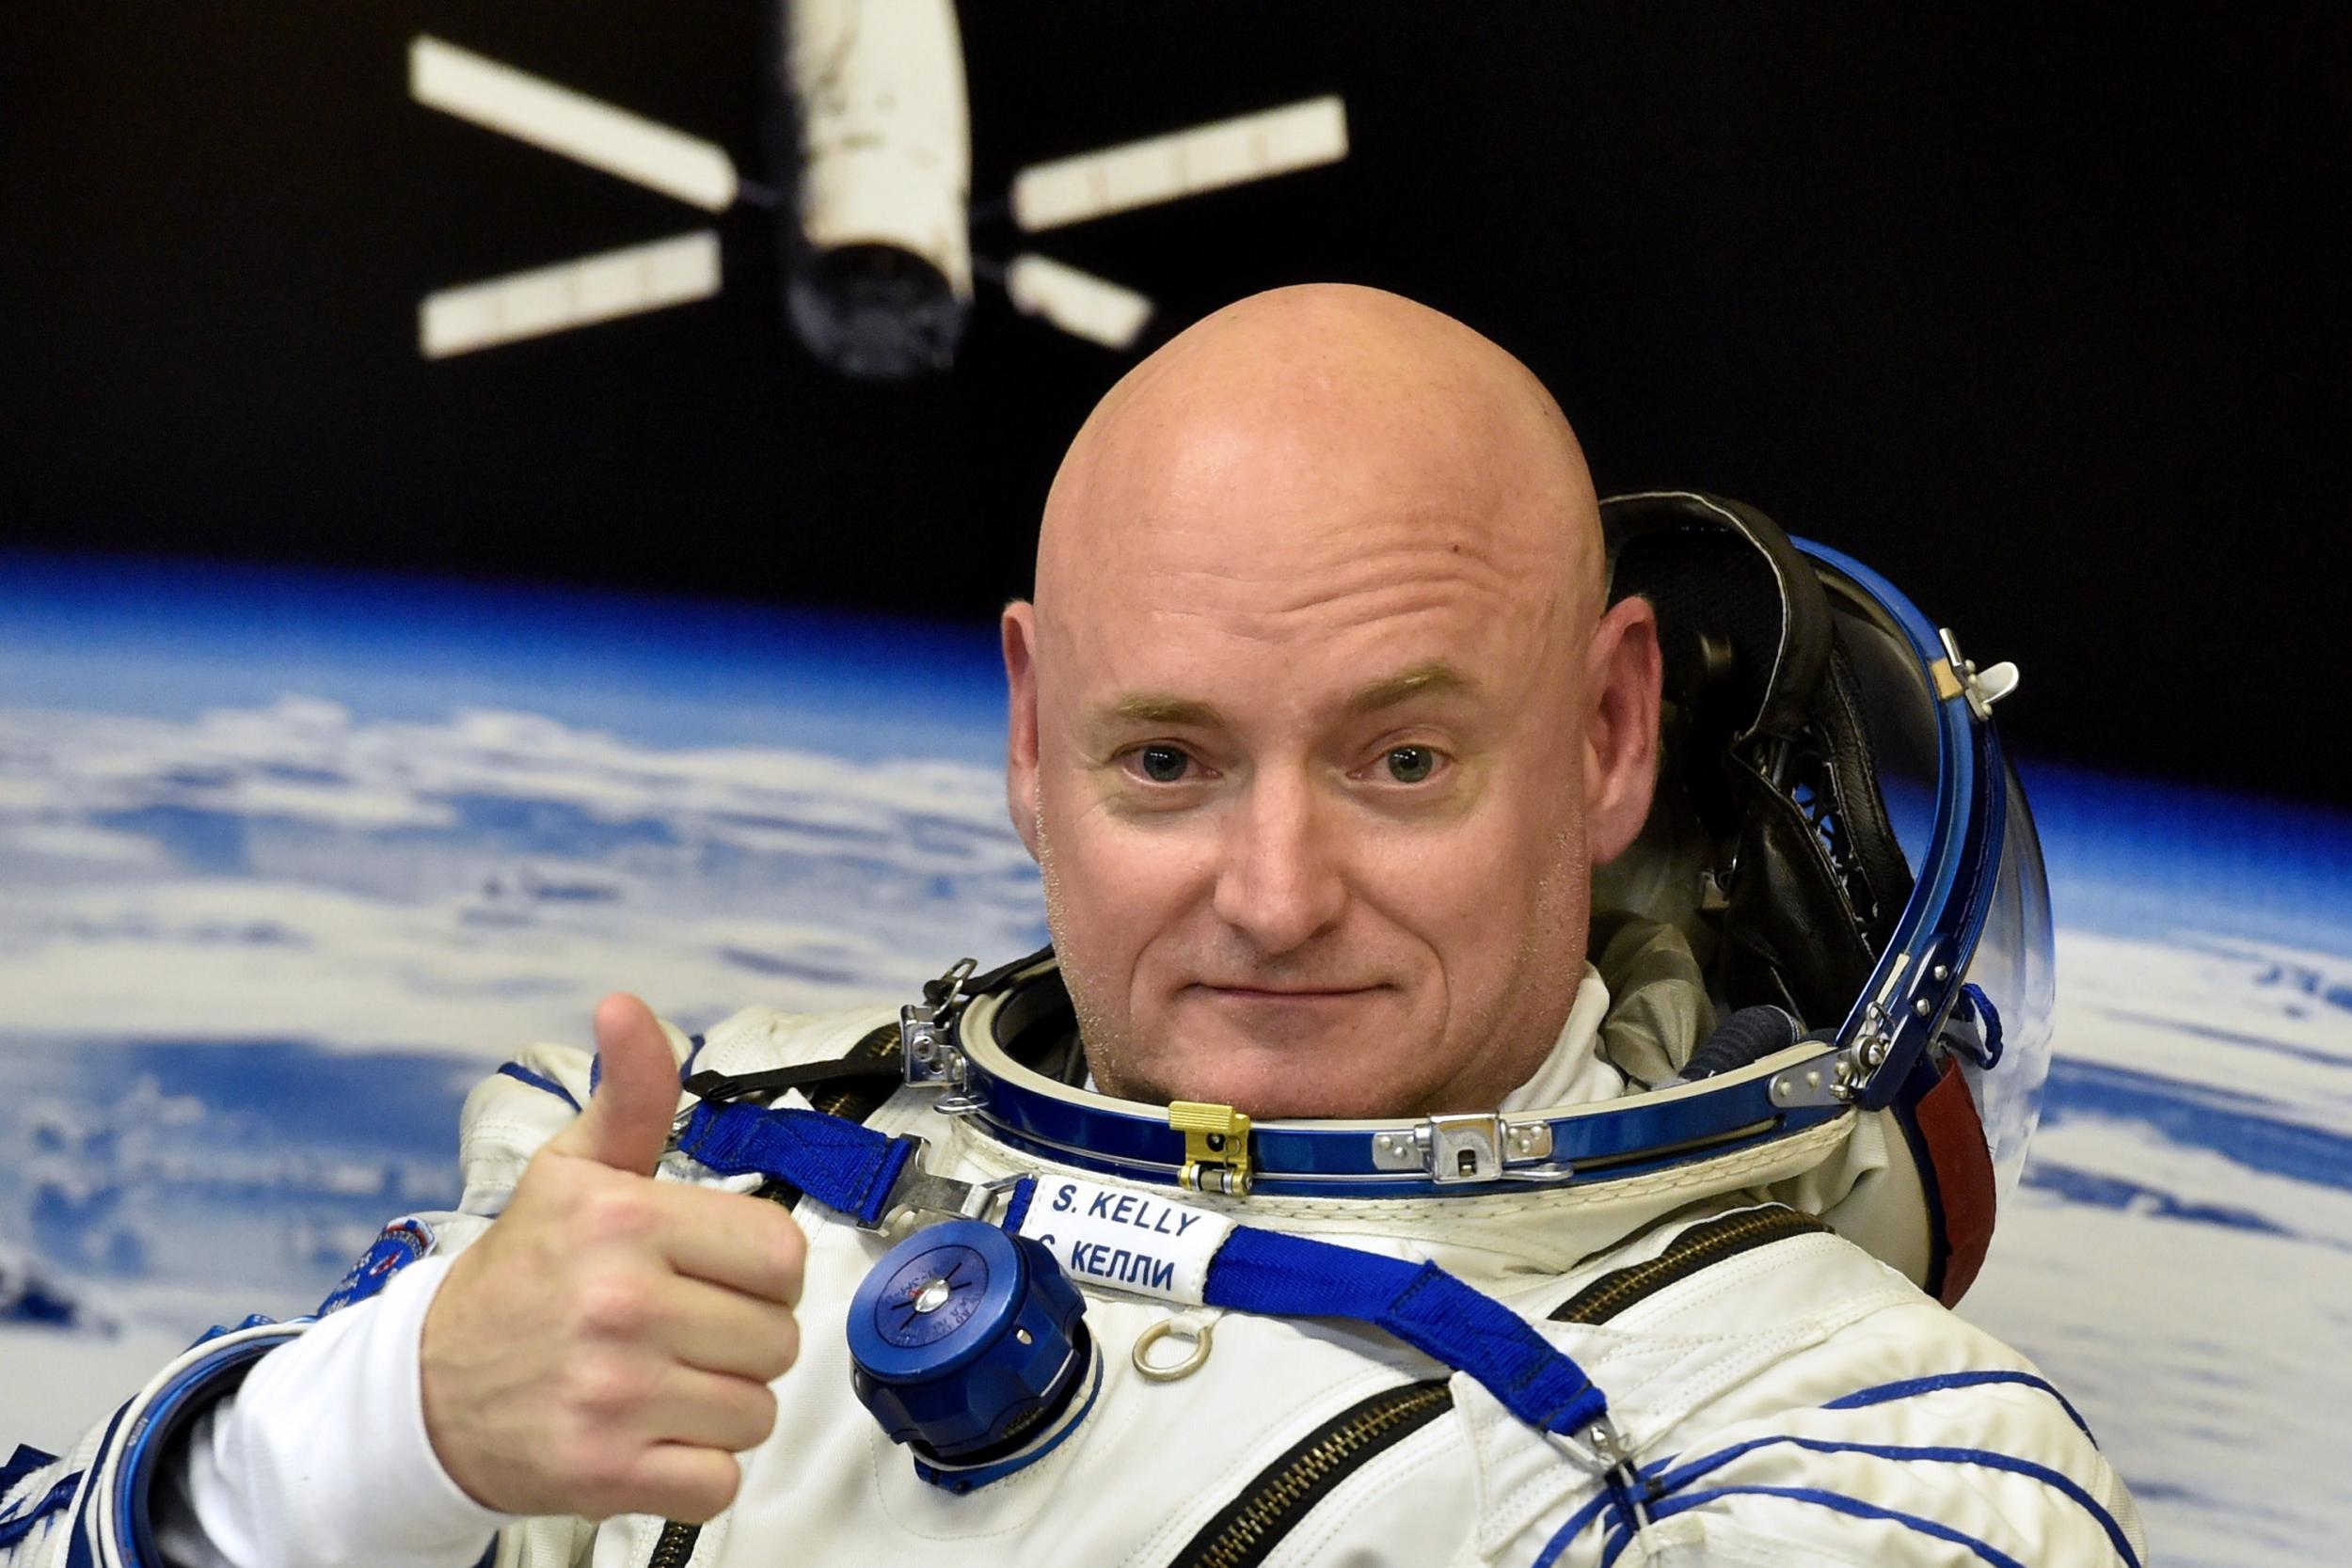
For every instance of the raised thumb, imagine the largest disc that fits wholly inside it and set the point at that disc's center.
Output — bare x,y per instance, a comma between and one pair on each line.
628,1121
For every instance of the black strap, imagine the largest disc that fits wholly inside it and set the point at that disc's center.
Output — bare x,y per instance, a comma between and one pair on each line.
935,991
720,1089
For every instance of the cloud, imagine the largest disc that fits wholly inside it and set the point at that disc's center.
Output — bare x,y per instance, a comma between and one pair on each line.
290,871
301,760
2253,1020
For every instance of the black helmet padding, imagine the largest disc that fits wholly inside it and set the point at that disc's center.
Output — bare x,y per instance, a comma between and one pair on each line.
1767,756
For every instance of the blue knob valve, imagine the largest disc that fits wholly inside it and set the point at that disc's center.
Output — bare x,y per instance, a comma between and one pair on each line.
968,1345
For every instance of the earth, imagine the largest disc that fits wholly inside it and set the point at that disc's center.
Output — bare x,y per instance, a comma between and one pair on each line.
292,860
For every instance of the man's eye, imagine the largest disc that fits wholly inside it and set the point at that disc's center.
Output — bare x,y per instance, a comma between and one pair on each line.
1162,764
1412,763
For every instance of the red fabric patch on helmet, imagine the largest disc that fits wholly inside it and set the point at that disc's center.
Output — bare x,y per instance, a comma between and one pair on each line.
1954,1133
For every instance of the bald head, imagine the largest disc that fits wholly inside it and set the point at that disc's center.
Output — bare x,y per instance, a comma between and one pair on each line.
1317,725
1266,419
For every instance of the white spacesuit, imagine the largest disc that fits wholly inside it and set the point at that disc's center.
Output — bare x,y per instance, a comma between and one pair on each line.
1665,1305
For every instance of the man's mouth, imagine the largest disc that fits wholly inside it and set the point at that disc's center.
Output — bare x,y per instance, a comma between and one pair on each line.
1283,993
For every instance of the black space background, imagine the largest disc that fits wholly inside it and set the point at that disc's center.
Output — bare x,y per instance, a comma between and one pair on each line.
2037,311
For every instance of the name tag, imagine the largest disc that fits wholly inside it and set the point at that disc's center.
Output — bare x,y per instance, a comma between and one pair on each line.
1126,1239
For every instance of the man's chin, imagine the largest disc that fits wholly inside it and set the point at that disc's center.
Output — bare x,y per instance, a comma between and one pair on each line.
1275,1085
1345,1054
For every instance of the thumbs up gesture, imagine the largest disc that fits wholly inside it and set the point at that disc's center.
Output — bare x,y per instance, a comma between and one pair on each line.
606,1346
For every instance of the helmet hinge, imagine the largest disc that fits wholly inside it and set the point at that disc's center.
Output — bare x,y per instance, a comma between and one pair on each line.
1216,1147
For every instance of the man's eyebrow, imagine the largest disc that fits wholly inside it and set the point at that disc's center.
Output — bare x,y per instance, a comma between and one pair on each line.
1434,678
1152,707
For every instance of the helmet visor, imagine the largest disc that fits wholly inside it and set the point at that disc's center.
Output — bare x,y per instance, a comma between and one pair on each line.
2000,1026
1973,948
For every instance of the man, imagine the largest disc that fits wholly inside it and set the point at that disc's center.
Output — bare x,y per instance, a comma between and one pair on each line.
1320,725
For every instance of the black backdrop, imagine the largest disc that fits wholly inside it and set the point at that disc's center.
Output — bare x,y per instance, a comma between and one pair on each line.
2036,313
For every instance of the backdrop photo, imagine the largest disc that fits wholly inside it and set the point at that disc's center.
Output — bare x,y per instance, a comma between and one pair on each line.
483,522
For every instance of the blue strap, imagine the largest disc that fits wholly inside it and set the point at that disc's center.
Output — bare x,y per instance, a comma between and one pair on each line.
1990,1057
839,1164
1294,1276
1023,1191
851,1169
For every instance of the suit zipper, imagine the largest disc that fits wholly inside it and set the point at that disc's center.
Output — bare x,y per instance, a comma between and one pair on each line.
676,1545
1286,1491
1699,1247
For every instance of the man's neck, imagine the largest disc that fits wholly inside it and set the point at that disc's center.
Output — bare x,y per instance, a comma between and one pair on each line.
1573,1072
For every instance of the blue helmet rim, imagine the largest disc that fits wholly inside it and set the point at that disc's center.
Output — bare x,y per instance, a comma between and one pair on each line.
1919,975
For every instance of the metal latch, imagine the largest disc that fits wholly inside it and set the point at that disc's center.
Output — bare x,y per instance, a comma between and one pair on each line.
1956,676
1473,1146
917,1198
927,1046
1827,1079
1918,990
1216,1147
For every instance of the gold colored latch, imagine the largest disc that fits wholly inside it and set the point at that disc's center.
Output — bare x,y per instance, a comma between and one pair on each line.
1216,1147
1958,676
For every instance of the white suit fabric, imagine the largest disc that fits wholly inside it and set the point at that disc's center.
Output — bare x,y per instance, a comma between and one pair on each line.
1815,1406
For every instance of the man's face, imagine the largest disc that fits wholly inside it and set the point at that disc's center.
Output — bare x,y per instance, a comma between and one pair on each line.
1308,793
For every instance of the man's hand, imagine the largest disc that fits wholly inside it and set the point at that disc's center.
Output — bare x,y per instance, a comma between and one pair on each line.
606,1347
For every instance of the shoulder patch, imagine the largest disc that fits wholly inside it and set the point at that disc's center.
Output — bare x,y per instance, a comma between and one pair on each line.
402,1242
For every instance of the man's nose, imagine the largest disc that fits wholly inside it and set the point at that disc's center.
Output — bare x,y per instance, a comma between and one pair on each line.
1279,882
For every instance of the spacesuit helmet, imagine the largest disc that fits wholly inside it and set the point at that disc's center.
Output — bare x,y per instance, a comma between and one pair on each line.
1840,839
1839,835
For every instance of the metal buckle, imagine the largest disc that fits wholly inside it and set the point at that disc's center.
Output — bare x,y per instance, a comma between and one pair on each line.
917,1198
1458,1149
928,1055
1621,1473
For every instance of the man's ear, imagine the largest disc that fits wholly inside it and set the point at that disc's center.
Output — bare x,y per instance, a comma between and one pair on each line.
1020,799
1624,674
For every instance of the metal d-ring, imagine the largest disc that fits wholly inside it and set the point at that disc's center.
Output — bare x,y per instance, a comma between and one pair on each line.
1161,1330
